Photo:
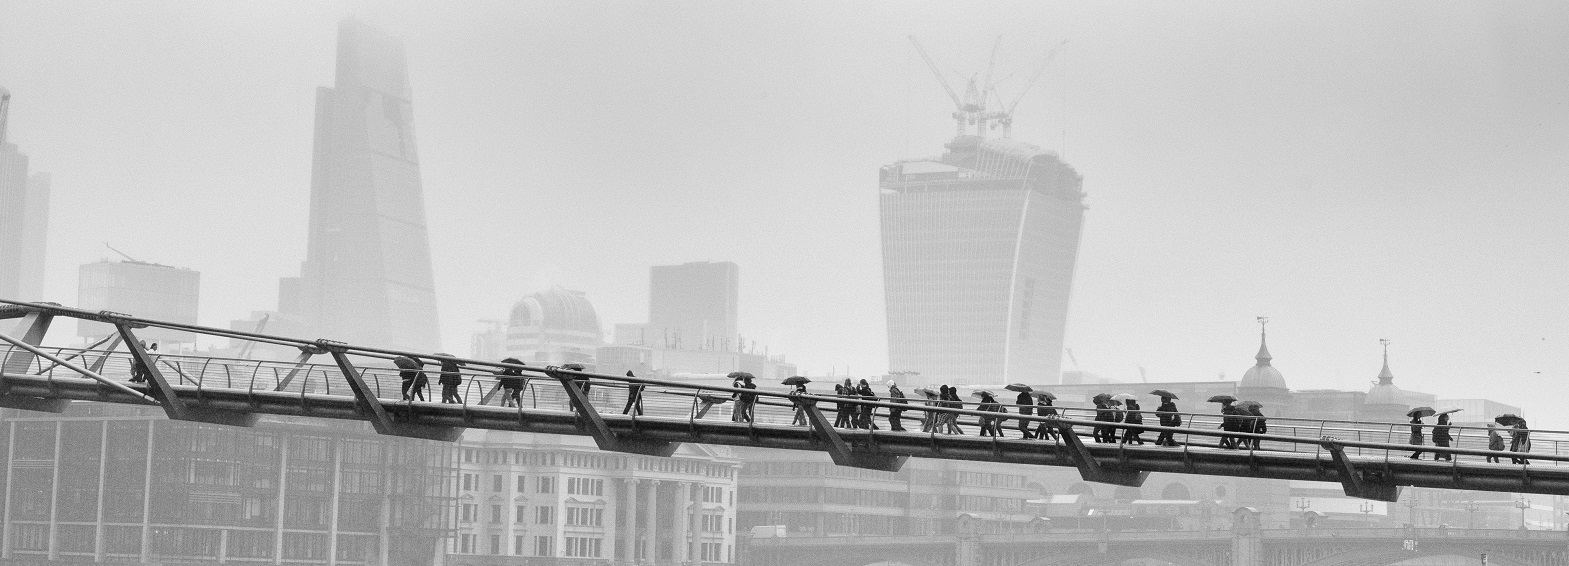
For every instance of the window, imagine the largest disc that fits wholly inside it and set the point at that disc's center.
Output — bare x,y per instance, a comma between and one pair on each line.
544,546
495,544
712,494
496,515
522,517
544,515
521,487
468,455
547,485
495,483
585,517
585,486
469,480
584,547
466,544
712,552
467,512
517,545
713,522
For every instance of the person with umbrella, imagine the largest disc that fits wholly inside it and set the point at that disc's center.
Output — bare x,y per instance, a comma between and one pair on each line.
1169,417
1416,428
954,402
1253,421
1441,437
1494,442
799,383
634,397
989,404
929,419
451,378
1132,418
748,399
1026,405
1104,413
735,396
841,409
511,381
1044,408
895,416
414,380
1519,440
1230,422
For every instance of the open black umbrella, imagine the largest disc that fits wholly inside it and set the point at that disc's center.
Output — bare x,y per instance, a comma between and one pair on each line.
1101,398
1019,387
1164,394
1249,405
926,392
1045,395
739,375
573,367
406,362
508,361
1509,419
1222,399
982,393
796,380
1421,412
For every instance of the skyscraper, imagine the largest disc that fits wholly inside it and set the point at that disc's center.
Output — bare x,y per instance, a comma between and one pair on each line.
367,273
24,210
693,305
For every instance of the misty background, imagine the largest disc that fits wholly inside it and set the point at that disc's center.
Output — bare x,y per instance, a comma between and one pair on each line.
1353,171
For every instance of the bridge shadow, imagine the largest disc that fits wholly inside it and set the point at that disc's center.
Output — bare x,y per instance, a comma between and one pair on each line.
1116,558
1408,558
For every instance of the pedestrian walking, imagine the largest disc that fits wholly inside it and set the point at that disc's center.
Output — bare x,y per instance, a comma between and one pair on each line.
451,378
842,409
1494,442
800,410
1258,425
952,395
748,399
1416,435
1169,417
1026,406
989,424
511,381
1230,423
634,404
1043,408
1105,413
139,371
735,397
1441,438
412,377
929,420
1519,441
895,416
1132,418
864,391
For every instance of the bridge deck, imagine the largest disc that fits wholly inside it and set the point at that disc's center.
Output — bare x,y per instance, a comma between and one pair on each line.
362,385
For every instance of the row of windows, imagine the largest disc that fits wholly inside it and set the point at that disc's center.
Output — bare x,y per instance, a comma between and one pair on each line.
593,461
542,545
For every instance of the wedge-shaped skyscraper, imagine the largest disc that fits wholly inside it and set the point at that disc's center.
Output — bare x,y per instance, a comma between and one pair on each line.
978,253
367,272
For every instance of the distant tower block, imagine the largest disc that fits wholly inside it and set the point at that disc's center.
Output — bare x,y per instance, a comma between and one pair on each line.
367,275
979,246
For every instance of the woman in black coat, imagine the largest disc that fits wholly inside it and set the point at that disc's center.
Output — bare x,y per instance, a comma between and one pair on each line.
1416,435
1026,406
451,378
1133,418
1441,438
989,424
952,395
1167,412
1044,409
511,381
865,411
841,414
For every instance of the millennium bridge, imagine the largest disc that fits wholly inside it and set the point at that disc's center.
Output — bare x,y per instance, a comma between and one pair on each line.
359,382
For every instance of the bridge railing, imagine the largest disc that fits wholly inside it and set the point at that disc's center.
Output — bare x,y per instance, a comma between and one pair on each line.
481,386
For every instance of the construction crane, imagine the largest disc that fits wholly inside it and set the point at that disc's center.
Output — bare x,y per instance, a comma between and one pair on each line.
122,254
970,110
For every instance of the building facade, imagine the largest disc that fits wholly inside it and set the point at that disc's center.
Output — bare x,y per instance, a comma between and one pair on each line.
553,327
693,306
979,247
545,500
24,218
114,483
367,275
147,290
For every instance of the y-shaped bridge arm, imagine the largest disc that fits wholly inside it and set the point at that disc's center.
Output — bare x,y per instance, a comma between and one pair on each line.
840,451
605,438
1352,481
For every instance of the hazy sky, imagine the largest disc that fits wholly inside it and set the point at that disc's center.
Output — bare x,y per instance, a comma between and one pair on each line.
1353,170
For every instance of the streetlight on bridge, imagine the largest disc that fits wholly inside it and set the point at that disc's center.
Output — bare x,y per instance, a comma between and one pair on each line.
1522,504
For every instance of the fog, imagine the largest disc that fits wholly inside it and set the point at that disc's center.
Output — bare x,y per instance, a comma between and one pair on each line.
1352,171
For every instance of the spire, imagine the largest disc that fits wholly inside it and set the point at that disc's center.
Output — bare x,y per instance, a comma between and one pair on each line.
5,111
1263,356
1385,377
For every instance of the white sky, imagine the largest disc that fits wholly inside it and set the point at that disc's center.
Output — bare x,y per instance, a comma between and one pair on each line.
1354,171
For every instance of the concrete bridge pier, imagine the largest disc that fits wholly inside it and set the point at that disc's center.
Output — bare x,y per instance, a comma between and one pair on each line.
1247,537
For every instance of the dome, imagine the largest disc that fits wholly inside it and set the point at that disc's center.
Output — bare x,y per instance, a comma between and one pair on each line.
556,309
1262,375
1385,392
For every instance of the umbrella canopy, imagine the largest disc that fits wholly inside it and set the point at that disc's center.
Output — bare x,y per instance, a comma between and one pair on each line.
1020,387
1222,399
506,361
1509,419
1045,395
1421,412
1123,397
1101,397
573,367
1250,405
1164,394
740,375
406,362
629,373
982,393
1447,409
925,391
796,380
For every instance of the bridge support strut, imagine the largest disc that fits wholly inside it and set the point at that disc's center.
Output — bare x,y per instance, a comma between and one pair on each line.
371,406
159,389
839,450
1092,470
35,324
598,428
1352,480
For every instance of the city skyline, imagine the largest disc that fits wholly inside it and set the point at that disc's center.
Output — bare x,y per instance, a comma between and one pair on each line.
1325,233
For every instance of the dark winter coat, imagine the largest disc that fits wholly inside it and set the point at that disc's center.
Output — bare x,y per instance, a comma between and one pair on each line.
1025,403
1167,412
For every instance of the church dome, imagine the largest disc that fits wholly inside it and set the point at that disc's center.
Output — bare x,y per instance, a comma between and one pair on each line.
1385,392
556,309
1262,375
